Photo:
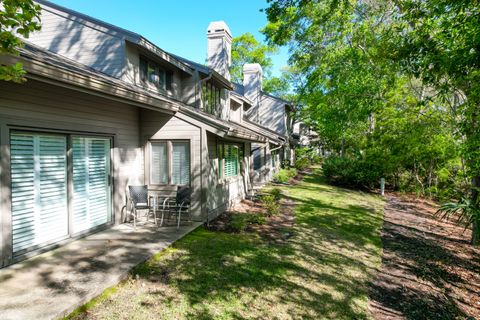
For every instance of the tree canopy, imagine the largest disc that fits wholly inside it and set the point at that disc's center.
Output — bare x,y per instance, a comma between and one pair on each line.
392,85
17,18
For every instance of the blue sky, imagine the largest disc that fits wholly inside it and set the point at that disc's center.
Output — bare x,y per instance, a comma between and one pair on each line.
179,26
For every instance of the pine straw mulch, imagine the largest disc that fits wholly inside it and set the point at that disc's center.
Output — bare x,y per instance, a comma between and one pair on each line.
429,269
276,229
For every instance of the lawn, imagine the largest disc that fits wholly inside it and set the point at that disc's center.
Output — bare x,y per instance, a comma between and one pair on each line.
322,271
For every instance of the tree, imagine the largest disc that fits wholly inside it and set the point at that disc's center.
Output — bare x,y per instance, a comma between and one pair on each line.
440,44
17,18
246,49
357,55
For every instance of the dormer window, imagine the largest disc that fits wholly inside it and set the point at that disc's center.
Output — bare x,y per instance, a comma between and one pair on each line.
152,73
211,97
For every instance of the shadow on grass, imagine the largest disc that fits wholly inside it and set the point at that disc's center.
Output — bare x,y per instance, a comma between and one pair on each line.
321,272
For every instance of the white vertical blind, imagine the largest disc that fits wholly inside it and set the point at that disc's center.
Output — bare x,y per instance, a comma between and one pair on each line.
180,163
158,163
39,189
91,188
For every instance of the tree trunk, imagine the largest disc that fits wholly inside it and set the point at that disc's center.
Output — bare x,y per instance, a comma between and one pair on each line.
476,221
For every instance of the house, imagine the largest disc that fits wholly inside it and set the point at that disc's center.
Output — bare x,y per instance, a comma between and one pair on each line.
270,115
104,108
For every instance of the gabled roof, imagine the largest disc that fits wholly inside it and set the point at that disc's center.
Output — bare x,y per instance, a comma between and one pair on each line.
242,99
129,36
46,66
228,128
50,67
206,71
270,134
240,89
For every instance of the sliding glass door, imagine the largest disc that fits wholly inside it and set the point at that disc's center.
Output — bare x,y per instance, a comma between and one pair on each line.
39,184
91,185
39,189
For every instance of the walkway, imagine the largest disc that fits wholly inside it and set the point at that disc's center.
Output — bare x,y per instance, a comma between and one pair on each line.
53,284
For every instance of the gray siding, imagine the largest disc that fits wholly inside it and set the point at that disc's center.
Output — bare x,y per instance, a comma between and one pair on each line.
132,72
272,114
36,106
156,126
222,193
84,42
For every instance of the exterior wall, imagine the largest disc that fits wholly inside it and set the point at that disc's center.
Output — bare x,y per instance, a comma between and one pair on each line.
82,41
263,174
236,112
36,106
222,193
157,126
131,72
272,114
190,90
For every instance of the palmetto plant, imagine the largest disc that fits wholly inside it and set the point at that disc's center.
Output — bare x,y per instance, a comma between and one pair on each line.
465,212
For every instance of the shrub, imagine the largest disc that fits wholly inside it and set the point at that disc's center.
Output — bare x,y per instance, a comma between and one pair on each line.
271,205
351,172
302,163
284,175
240,221
316,159
276,193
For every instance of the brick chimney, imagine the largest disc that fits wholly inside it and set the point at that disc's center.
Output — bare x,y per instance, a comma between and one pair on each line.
252,83
219,48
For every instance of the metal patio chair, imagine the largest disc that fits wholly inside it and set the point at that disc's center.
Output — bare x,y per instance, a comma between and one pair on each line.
139,200
177,206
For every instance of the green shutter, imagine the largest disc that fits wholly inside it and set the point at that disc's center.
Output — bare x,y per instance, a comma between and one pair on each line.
91,187
39,189
231,160
158,163
180,163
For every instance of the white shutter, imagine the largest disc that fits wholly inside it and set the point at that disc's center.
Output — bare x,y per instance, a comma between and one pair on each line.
91,188
181,163
158,163
39,189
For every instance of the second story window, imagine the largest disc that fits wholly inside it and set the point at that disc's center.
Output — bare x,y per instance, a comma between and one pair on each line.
152,73
211,97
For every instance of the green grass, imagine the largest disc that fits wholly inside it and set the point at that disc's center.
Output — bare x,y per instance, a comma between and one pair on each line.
322,272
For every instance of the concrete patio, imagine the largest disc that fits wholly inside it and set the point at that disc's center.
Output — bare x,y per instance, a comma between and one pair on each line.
53,284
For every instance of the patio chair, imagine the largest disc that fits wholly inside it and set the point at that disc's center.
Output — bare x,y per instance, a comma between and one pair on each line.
177,206
139,200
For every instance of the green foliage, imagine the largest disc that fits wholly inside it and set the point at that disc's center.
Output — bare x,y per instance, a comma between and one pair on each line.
247,49
270,204
389,85
276,193
465,211
240,221
17,18
351,172
284,175
302,163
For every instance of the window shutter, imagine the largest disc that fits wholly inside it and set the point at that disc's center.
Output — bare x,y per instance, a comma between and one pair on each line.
180,163
39,189
91,187
231,161
158,163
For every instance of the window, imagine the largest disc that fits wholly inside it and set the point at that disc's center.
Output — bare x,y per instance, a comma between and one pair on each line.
152,73
170,162
229,157
211,97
